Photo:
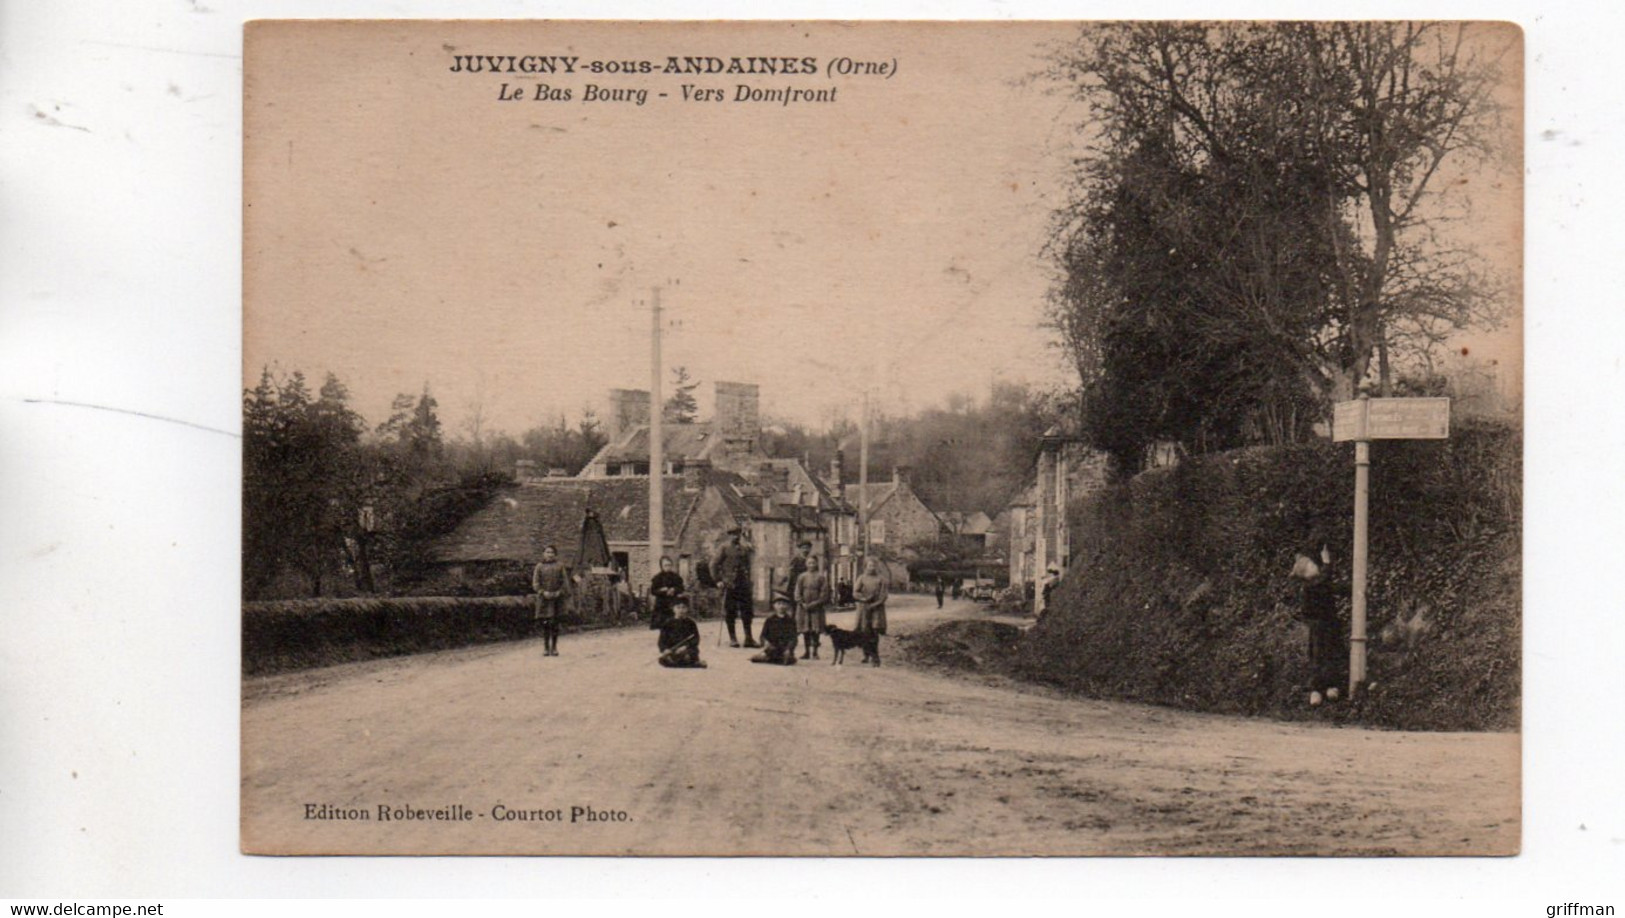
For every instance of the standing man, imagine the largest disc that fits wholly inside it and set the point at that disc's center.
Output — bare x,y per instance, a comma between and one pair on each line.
551,582
939,592
732,570
798,566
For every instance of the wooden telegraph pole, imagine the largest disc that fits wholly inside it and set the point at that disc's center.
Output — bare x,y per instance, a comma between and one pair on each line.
657,445
1363,420
863,485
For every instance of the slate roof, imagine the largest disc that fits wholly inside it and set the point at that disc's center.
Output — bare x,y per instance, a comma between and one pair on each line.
828,500
743,499
682,442
522,520
879,493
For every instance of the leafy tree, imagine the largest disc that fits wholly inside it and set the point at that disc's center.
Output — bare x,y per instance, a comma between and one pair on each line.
1259,217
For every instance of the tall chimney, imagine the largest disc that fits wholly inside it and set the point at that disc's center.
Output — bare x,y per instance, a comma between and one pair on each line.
628,410
737,421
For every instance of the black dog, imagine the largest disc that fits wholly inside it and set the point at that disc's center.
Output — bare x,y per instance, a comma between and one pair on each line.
843,639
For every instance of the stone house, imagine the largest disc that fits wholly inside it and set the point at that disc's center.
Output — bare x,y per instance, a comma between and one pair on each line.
972,527
716,478
1039,536
731,440
897,517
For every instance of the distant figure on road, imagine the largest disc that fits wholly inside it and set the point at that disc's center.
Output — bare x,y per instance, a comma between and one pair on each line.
843,595
778,634
732,570
551,582
955,592
812,599
939,593
680,638
664,588
1318,608
870,592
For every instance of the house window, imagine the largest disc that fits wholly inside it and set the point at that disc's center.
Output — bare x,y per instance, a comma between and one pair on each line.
877,532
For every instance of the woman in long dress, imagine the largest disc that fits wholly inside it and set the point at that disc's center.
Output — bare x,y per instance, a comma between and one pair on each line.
812,599
871,591
665,587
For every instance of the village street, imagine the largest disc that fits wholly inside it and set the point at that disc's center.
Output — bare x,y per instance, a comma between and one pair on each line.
819,760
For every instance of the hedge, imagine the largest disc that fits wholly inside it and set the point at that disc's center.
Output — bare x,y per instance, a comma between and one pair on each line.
299,634
1178,593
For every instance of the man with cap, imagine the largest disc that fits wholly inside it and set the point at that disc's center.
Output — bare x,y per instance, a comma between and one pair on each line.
732,570
680,638
778,634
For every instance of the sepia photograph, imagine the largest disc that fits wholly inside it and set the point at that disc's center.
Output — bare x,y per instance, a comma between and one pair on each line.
882,439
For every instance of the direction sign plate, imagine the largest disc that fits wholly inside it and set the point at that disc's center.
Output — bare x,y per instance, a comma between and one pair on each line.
1392,419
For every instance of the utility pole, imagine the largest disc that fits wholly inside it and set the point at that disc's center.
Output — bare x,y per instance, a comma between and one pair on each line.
657,445
1362,528
863,483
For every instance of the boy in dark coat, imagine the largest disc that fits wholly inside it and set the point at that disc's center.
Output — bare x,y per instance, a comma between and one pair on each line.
778,635
680,638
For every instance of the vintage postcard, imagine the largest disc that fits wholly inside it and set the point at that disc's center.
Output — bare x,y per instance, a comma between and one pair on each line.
882,438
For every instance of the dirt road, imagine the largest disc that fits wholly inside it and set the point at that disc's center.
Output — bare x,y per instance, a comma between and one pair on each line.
814,759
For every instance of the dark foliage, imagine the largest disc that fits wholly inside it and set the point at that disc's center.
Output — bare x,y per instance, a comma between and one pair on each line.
301,634
1261,216
1179,591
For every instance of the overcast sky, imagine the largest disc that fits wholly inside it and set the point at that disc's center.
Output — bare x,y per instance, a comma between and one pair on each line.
406,226
403,225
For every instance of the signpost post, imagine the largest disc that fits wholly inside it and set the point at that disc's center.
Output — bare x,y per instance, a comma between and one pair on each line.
1363,420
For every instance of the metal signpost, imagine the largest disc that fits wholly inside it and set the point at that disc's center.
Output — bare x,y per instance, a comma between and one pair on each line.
1364,420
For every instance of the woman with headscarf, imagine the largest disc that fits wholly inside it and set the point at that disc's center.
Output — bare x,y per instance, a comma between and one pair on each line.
871,591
